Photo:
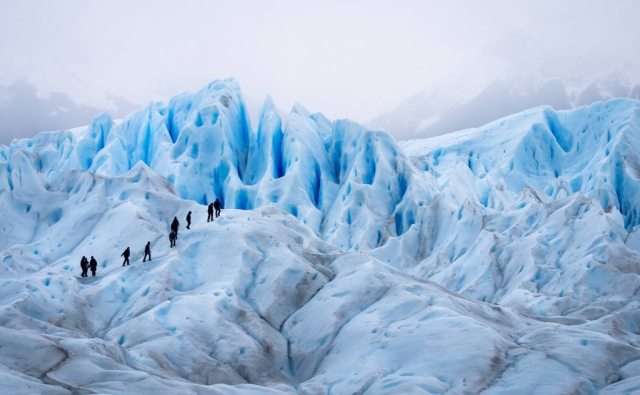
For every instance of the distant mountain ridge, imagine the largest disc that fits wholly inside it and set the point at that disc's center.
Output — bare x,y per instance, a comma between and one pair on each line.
24,114
437,111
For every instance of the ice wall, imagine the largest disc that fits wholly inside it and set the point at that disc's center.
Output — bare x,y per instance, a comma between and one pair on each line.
203,143
525,210
537,210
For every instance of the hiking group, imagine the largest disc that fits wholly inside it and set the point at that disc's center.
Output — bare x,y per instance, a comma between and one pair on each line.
173,236
86,265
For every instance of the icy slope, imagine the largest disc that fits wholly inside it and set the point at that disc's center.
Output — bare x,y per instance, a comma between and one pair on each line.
537,211
253,303
322,275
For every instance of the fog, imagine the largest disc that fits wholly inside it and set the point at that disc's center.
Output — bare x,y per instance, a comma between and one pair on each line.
354,59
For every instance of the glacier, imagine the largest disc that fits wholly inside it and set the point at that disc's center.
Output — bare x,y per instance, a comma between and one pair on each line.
496,260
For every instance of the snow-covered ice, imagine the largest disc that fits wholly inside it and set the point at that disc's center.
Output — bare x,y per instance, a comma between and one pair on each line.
497,260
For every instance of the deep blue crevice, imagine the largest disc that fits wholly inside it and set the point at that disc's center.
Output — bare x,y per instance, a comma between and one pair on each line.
336,160
101,141
276,148
401,226
316,185
398,221
370,160
147,145
239,168
220,174
169,124
402,186
243,150
87,164
242,200
194,151
214,116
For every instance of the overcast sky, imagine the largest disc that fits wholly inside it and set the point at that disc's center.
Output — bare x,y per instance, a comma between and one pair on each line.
354,59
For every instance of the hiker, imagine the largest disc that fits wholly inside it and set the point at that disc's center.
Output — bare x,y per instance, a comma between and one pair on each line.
172,239
126,254
84,264
174,226
217,206
147,252
188,219
210,211
94,265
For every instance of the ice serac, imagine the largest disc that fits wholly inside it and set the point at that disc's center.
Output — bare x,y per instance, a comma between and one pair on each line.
332,176
552,210
496,260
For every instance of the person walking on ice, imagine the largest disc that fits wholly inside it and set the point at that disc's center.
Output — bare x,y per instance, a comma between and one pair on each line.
210,211
93,264
147,252
188,219
174,226
172,239
126,254
217,206
84,264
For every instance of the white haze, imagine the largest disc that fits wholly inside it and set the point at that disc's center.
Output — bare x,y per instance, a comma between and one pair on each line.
354,59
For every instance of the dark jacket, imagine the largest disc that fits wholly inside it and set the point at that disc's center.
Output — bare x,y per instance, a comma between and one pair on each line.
126,253
93,263
217,204
210,208
147,249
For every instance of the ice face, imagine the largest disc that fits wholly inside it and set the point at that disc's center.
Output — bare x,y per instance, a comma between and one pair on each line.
549,220
499,259
340,179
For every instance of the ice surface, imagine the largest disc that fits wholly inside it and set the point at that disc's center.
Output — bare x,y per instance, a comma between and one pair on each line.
497,260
